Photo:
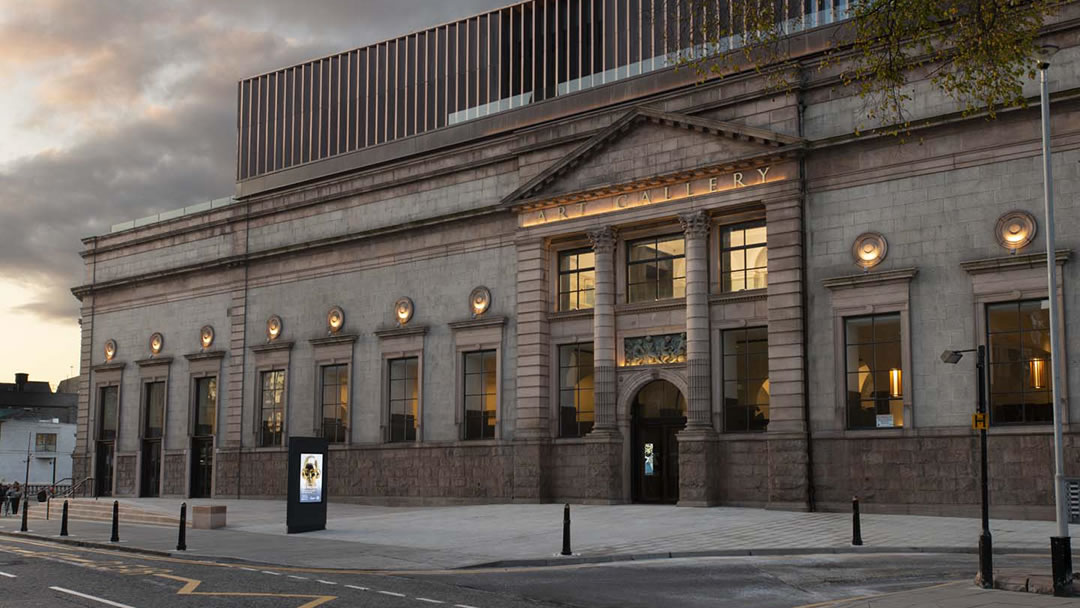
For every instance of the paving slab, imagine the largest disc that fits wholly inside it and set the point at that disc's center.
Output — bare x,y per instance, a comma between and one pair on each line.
381,537
957,595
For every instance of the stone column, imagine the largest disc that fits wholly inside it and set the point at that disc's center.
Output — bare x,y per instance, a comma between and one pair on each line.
603,244
699,482
789,455
698,368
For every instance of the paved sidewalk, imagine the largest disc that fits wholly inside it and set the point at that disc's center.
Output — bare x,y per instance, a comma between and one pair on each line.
373,537
956,595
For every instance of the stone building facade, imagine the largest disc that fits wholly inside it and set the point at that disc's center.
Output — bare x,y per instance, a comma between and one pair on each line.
649,289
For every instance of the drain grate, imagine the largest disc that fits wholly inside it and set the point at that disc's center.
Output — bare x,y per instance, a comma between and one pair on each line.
1072,497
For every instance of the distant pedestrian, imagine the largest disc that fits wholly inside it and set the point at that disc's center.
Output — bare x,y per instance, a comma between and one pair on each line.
14,496
5,505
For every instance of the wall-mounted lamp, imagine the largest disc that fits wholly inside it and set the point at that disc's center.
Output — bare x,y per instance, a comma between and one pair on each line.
1015,230
273,328
403,310
479,300
157,342
110,349
206,336
869,249
335,319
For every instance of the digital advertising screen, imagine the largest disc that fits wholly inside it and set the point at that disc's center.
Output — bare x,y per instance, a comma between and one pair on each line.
311,478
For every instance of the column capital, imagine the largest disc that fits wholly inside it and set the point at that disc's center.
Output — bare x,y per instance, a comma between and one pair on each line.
603,239
695,224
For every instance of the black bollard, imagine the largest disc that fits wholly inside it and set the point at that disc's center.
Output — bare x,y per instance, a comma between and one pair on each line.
63,520
181,543
115,538
856,526
25,508
566,530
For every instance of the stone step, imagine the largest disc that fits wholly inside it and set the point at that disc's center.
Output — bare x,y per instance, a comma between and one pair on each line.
102,511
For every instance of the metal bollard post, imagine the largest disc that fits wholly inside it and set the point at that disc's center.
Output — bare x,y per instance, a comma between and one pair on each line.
25,508
115,538
856,526
566,530
63,520
181,543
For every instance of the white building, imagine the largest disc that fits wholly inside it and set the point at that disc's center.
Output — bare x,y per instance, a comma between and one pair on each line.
35,418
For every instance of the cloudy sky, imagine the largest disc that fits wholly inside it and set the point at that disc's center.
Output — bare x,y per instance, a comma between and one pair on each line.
112,110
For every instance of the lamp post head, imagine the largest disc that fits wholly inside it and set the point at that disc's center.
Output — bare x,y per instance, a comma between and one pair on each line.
1044,54
951,357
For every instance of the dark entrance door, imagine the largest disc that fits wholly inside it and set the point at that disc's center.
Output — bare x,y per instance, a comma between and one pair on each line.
151,468
202,466
659,413
103,473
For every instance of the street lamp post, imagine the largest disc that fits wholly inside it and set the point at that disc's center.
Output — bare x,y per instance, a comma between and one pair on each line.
1060,545
980,421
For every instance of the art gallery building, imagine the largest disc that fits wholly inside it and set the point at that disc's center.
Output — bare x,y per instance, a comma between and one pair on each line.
523,257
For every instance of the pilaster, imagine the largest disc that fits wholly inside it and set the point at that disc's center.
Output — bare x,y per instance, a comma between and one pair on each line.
788,447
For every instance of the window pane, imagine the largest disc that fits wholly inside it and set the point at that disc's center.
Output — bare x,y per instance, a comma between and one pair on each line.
1034,314
886,356
887,328
860,331
587,259
672,246
642,251
757,257
755,235
1003,317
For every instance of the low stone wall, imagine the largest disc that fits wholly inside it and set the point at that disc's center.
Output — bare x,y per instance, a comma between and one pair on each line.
174,481
125,474
940,475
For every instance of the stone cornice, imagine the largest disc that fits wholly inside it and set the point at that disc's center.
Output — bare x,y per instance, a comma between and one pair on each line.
1014,262
272,346
334,340
748,295
154,361
870,279
204,355
108,367
401,332
474,323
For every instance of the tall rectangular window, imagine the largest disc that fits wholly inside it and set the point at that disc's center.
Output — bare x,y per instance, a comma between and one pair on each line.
205,406
480,391
656,269
577,279
335,402
874,372
45,442
108,404
1018,334
746,379
155,410
271,408
575,389
404,398
744,257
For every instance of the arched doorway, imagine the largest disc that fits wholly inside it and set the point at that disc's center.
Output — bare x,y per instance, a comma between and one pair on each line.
658,413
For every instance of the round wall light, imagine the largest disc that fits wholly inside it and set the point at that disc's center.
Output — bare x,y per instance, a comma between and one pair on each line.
157,342
869,249
1015,230
480,300
403,310
273,328
206,336
335,319
110,349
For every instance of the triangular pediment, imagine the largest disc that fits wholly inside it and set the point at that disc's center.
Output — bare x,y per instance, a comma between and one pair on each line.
641,146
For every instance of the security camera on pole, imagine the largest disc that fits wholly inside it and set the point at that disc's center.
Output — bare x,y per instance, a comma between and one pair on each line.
1060,545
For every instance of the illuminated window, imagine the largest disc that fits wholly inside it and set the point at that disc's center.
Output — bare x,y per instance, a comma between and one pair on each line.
45,442
1019,353
335,402
744,258
746,379
480,392
575,389
153,424
874,374
577,279
656,269
404,398
205,406
272,408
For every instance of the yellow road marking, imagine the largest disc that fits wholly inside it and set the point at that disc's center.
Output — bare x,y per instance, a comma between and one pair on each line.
190,586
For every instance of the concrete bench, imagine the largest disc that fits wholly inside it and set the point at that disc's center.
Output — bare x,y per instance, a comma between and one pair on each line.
208,517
